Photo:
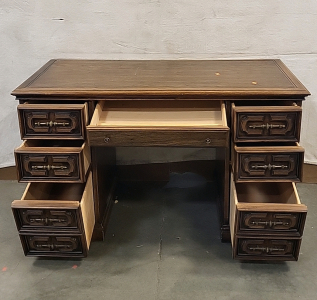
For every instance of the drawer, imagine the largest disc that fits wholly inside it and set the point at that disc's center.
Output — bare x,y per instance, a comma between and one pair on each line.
54,245
266,123
59,209
52,161
266,208
260,162
159,123
52,121
261,248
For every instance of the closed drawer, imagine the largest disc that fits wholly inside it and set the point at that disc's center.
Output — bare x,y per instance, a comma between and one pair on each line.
261,248
60,209
266,208
54,245
52,161
268,163
159,123
266,123
52,121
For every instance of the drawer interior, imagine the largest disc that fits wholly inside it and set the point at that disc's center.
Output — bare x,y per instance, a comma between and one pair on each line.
51,143
54,191
267,192
163,113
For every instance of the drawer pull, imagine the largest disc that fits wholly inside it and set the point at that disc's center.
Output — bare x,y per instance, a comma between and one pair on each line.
267,126
269,166
49,167
53,246
47,220
270,223
266,249
107,140
208,141
51,124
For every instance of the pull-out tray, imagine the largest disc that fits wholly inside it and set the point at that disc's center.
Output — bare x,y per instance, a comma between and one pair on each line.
159,123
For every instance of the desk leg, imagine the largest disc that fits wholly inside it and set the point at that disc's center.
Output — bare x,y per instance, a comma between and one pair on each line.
224,155
103,172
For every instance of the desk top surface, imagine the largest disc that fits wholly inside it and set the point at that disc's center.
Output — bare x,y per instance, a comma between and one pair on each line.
162,78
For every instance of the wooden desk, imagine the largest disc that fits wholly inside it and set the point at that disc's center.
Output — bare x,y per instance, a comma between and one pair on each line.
74,113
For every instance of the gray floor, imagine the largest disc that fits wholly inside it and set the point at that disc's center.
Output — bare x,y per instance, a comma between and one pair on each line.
160,244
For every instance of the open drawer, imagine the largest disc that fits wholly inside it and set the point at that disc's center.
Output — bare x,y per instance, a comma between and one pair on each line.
273,122
52,161
159,123
50,210
268,162
266,212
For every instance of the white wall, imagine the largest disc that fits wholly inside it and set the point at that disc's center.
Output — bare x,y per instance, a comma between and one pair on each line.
32,32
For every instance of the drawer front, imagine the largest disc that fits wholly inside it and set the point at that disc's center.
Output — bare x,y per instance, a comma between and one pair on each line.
112,138
46,167
47,219
266,126
48,245
259,248
52,121
269,166
290,223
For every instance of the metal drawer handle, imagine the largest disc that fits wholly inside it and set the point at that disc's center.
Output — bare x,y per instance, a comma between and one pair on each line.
51,124
46,220
49,167
266,249
269,166
107,140
53,246
208,141
270,223
267,126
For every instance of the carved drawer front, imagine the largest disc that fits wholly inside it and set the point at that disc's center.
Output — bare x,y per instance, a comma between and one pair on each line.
268,163
49,209
48,121
272,123
259,248
291,223
52,245
163,123
52,161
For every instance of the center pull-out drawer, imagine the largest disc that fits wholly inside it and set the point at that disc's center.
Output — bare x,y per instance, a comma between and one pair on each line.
159,123
52,121
52,161
266,123
268,163
49,213
266,211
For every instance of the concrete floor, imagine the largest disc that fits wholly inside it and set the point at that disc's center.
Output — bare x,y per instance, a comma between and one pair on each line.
160,244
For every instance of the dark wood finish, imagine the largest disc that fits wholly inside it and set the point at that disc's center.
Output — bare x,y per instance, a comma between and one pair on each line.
266,98
104,177
180,78
268,163
52,121
56,161
158,138
290,223
268,249
258,124
53,245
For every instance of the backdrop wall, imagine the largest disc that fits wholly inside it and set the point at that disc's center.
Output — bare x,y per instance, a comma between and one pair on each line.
32,32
